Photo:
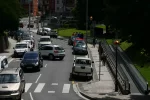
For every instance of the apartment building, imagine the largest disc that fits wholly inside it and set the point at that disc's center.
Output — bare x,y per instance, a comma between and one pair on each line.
33,5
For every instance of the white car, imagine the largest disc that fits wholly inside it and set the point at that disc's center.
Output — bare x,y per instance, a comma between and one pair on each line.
44,40
29,40
21,48
82,66
52,51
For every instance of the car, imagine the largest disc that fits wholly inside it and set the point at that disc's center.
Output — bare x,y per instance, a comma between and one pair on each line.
80,49
31,25
21,48
29,40
44,40
54,34
31,60
12,83
82,66
77,40
52,51
46,31
70,40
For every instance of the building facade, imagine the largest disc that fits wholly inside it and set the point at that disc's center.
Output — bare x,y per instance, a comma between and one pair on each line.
33,6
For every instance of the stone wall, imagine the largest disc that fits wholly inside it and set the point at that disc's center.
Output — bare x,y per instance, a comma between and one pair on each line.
4,43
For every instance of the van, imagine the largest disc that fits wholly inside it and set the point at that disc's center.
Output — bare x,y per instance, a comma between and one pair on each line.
3,62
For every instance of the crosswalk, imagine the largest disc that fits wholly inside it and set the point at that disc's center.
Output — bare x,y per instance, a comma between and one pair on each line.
40,86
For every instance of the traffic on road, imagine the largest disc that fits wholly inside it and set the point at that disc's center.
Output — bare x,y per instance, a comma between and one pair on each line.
43,67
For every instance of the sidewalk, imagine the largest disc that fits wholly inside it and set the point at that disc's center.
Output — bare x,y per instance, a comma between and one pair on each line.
8,52
99,89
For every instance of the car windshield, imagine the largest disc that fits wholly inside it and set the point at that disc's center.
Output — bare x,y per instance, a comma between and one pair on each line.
21,46
80,45
83,61
44,39
29,56
9,78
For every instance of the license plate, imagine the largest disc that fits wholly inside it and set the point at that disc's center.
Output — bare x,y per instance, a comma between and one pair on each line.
82,74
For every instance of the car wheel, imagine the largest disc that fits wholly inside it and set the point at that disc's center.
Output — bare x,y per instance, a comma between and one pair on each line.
23,90
51,57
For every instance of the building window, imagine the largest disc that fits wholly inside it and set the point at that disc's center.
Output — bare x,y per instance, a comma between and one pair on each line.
57,8
57,1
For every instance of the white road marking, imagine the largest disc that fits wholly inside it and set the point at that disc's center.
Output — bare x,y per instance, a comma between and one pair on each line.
66,88
45,65
27,86
39,87
51,91
31,96
10,60
21,99
38,78
54,84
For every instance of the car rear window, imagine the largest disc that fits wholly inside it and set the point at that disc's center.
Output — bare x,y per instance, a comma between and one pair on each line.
83,61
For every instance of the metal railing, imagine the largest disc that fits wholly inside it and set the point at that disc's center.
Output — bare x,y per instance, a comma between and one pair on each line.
124,84
141,83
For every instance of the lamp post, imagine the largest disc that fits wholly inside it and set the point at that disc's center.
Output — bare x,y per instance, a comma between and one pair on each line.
116,76
86,20
29,14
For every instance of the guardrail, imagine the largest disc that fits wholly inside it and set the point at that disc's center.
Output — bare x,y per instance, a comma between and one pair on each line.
134,73
122,79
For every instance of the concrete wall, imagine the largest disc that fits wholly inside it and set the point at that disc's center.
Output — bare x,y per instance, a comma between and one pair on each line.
4,43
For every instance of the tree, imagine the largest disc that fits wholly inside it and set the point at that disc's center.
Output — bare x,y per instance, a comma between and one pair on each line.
10,13
94,9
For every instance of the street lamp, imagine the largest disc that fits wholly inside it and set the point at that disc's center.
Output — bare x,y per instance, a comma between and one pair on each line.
86,20
116,81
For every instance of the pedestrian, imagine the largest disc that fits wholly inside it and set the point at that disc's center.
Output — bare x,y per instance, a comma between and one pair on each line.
104,58
94,42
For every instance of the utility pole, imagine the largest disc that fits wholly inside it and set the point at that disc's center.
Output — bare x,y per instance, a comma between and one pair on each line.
29,14
86,20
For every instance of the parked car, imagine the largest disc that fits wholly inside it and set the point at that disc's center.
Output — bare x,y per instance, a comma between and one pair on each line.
32,60
82,66
70,40
52,51
12,83
80,49
21,48
54,34
77,40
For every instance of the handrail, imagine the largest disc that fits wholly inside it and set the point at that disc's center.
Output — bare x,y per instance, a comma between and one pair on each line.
122,78
136,75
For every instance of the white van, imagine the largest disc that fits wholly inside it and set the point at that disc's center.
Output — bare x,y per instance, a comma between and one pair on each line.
3,62
46,30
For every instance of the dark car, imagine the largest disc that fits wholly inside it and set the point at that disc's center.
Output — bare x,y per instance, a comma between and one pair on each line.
80,49
32,60
31,25
21,25
53,34
70,40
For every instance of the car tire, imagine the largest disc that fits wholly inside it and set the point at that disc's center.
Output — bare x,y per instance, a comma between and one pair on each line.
23,90
51,57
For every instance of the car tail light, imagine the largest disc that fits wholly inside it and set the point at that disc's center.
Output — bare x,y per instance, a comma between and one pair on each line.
55,51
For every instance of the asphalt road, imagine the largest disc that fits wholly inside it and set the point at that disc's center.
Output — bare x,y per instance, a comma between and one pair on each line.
52,82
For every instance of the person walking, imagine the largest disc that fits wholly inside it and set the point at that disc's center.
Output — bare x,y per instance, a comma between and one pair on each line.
94,42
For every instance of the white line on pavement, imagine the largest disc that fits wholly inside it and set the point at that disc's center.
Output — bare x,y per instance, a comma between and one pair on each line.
27,86
38,78
39,87
66,88
51,91
54,84
10,60
45,65
31,96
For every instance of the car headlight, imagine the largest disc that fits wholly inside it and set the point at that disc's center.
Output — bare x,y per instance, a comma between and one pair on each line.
15,92
36,63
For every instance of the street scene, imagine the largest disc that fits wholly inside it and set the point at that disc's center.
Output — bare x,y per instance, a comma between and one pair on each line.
56,50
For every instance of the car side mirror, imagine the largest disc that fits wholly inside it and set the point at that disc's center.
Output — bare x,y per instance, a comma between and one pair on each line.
92,61
13,47
28,47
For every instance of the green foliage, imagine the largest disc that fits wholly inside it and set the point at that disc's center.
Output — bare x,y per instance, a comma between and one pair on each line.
10,13
94,9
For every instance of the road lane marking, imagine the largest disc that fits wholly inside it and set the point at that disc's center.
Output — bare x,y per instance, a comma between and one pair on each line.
66,88
38,78
54,84
51,91
45,65
31,96
27,86
10,60
39,87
